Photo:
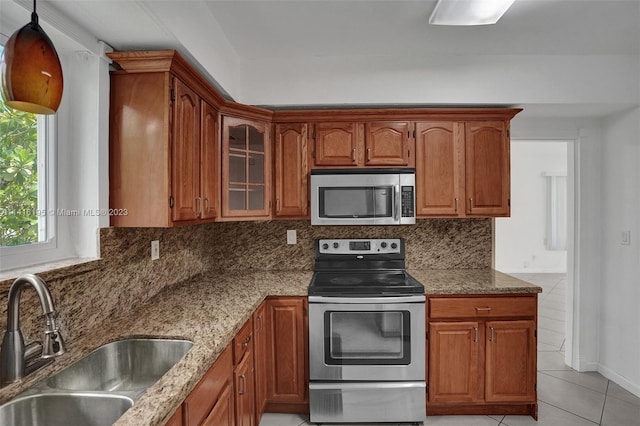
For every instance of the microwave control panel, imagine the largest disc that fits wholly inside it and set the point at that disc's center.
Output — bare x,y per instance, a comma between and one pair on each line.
408,208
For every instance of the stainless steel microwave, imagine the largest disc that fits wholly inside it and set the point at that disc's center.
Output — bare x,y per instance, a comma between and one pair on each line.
363,196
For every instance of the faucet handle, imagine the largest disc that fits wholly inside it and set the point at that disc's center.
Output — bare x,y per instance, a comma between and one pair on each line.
53,344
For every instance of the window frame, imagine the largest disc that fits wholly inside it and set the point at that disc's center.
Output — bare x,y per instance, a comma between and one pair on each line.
46,249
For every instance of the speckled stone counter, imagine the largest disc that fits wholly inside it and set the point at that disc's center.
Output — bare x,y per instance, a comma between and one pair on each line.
470,281
210,309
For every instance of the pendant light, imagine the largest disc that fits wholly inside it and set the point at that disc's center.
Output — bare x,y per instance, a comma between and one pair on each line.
30,70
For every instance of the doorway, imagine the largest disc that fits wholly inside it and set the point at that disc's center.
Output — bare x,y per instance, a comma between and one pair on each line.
535,243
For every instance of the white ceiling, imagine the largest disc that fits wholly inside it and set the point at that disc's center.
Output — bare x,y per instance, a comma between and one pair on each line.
280,29
283,28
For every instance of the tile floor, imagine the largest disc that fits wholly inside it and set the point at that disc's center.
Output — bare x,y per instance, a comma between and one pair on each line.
565,397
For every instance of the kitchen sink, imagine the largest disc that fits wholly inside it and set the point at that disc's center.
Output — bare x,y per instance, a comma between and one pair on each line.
64,409
125,365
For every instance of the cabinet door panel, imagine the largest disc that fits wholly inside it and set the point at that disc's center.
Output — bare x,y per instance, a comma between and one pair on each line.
203,397
210,169
288,371
222,413
487,168
260,359
244,386
291,171
453,362
246,169
186,153
439,168
336,144
510,361
387,144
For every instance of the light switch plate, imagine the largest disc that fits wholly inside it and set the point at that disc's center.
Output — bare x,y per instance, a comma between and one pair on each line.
291,236
625,238
155,250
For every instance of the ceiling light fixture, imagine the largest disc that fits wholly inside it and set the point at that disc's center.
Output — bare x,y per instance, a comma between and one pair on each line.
469,12
30,70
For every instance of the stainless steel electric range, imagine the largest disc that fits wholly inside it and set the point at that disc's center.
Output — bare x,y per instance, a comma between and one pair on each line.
366,334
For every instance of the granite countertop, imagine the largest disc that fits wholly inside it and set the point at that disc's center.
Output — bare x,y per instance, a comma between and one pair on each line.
210,309
470,281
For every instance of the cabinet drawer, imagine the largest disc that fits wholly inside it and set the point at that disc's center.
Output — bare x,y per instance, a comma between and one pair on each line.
477,307
242,341
203,397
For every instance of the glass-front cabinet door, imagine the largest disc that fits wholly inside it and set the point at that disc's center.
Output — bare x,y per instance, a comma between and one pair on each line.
245,168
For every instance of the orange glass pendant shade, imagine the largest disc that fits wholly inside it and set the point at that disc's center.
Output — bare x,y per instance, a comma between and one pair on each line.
30,71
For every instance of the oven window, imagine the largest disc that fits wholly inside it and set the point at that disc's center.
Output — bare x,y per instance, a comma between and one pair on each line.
367,337
345,202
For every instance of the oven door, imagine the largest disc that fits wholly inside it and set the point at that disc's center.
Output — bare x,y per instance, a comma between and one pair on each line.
367,338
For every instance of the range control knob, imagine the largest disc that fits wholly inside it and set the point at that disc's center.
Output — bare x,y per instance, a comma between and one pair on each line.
335,245
383,244
394,246
325,246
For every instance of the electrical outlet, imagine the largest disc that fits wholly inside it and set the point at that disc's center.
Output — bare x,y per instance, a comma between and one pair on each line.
291,237
155,250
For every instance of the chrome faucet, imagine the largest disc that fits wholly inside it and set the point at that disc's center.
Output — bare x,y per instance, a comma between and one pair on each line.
16,359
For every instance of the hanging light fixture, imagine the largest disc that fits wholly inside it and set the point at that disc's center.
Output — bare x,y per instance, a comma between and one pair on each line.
30,70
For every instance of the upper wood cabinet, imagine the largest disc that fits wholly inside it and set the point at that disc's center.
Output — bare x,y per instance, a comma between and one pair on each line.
246,169
388,144
352,144
164,141
462,168
439,168
194,153
487,168
337,144
291,182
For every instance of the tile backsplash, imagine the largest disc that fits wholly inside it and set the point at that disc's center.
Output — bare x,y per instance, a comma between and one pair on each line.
125,276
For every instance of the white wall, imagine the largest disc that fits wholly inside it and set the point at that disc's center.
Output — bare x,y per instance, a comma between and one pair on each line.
462,79
619,331
520,240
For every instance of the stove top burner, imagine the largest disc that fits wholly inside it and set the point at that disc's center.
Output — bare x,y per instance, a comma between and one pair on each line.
354,283
362,267
345,280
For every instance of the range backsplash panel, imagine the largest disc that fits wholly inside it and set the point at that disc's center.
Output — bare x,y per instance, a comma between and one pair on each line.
430,244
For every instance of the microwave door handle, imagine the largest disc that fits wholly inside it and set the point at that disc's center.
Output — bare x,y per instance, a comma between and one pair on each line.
396,202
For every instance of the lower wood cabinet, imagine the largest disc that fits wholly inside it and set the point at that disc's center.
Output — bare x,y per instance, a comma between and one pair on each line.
260,346
212,389
222,413
287,355
482,355
245,391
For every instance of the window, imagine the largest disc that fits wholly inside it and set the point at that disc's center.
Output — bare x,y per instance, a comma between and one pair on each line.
27,215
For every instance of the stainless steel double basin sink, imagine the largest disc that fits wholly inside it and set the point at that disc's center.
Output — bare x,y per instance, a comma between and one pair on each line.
97,389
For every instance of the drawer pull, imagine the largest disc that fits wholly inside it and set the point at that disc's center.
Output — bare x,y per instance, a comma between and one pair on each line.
479,309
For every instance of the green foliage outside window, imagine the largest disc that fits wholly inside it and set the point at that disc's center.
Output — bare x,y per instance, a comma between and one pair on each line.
18,176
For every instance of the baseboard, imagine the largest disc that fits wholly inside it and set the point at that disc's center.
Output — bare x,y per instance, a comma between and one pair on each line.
634,388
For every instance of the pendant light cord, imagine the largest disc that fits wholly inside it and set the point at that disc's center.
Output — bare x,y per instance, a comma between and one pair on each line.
34,15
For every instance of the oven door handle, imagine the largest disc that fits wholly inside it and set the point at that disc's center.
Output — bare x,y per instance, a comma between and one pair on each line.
363,300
